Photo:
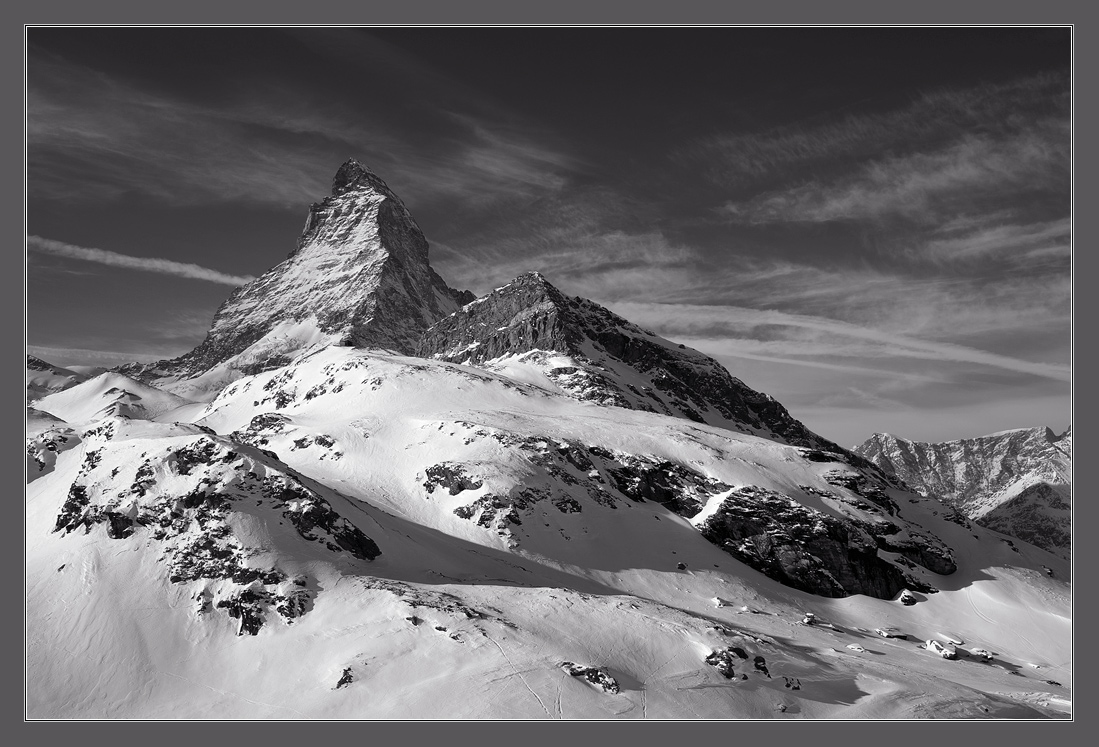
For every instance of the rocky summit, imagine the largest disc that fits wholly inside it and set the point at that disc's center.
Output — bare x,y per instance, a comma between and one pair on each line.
1018,482
590,353
359,276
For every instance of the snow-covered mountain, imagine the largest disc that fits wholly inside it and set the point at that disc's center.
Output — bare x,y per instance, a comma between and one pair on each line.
363,497
530,331
110,394
1018,482
45,378
359,276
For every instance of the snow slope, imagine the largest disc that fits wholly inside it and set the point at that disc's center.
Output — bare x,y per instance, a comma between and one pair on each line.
459,618
45,378
550,514
110,394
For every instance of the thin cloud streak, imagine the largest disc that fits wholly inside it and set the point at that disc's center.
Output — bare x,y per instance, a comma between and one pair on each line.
936,306
266,147
76,356
930,119
1016,243
731,348
938,350
921,187
144,264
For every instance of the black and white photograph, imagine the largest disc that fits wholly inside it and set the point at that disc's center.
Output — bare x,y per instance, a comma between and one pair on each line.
521,373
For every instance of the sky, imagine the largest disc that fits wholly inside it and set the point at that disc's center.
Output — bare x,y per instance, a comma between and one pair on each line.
872,225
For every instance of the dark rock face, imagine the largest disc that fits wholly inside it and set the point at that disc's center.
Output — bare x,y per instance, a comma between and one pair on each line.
1017,482
873,490
913,546
37,364
451,477
681,490
1039,514
801,547
529,315
773,533
570,476
193,525
360,272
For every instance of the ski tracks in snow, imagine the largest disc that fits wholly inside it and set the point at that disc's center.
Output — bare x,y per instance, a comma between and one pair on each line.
969,598
524,681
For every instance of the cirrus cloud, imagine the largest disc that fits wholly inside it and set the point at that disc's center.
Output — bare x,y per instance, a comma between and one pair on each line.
144,264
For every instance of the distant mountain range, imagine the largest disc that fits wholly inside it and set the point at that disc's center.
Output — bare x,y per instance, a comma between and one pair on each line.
1018,482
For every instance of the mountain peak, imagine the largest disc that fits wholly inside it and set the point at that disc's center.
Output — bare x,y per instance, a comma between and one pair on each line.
611,360
360,276
354,175
531,278
997,480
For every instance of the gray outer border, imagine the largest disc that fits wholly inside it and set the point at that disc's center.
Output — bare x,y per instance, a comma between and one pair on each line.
573,12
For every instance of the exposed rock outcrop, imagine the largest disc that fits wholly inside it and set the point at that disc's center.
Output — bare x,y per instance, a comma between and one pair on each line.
191,501
805,548
595,676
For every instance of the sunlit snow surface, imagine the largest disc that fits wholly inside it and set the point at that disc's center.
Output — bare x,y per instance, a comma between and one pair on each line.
459,618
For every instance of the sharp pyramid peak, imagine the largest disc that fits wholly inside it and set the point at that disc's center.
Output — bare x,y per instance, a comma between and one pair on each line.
359,274
353,175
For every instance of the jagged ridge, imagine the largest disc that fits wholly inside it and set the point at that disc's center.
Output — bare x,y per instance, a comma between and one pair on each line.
529,315
1017,482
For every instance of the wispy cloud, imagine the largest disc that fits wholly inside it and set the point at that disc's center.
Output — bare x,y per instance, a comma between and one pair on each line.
508,154
273,142
585,240
1015,243
904,345
741,347
924,187
927,122
81,356
923,304
144,264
